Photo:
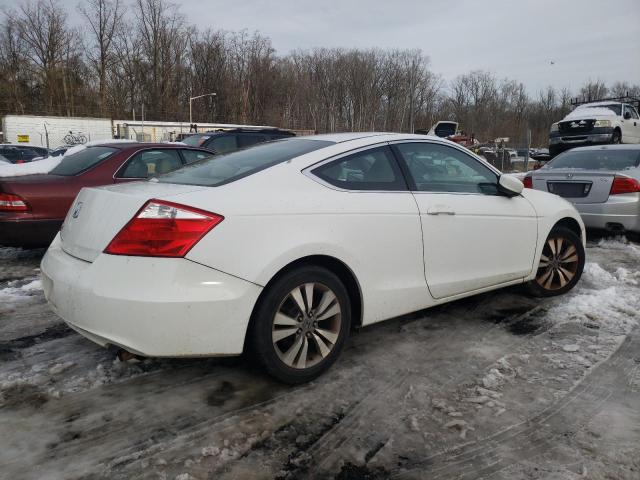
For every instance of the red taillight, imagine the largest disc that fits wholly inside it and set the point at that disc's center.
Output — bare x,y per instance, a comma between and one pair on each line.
12,203
527,182
163,229
624,185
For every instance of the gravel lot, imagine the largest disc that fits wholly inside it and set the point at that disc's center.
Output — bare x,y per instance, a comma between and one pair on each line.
497,386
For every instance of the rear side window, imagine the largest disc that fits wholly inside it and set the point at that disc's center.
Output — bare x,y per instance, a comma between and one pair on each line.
82,160
603,159
196,140
149,163
373,169
221,143
191,156
246,140
227,168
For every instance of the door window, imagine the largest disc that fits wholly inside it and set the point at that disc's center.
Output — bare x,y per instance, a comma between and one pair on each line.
148,163
191,156
440,168
373,169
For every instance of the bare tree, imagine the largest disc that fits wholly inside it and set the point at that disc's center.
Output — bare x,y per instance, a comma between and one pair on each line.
104,18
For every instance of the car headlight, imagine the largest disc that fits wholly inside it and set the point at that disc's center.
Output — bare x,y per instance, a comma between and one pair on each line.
554,127
602,123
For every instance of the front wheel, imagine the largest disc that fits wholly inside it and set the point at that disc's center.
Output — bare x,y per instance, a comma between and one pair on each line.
616,137
561,264
301,324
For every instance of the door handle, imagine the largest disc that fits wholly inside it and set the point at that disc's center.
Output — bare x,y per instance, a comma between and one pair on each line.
440,210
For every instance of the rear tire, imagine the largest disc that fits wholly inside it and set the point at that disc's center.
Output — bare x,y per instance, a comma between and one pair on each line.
301,324
561,264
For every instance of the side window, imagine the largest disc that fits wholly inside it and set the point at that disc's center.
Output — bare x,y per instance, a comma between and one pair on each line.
191,156
222,144
634,112
440,168
374,169
151,162
246,140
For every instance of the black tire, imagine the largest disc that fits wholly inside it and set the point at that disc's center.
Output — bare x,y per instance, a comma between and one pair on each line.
616,138
278,299
558,281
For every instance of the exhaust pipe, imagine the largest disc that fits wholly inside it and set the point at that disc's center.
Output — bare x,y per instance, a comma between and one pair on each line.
124,355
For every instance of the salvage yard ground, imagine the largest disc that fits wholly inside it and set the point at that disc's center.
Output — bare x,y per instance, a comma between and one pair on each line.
497,386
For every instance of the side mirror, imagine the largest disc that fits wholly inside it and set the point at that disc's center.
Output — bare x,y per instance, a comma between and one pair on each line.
627,115
510,185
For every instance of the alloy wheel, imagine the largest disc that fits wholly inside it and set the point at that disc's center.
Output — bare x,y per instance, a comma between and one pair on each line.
306,326
558,263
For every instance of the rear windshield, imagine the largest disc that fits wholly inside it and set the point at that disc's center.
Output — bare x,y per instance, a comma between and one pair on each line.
232,166
82,160
196,140
603,159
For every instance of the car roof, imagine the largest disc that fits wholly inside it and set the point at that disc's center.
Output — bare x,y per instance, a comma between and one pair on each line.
141,145
620,146
379,136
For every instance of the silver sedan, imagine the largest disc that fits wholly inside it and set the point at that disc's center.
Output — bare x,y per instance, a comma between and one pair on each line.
603,182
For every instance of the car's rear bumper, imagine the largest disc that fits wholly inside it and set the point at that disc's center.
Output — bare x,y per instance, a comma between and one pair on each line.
28,233
619,212
150,306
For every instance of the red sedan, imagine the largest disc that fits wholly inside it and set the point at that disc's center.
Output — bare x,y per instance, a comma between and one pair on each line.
33,207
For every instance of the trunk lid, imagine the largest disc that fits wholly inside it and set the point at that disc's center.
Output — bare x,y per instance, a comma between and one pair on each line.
577,186
97,214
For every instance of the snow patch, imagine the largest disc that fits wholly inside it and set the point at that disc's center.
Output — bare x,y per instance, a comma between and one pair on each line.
18,289
39,167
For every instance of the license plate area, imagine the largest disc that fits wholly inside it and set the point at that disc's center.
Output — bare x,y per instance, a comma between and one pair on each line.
570,189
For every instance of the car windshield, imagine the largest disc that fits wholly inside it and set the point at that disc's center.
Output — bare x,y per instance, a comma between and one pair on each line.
82,160
232,166
617,108
603,159
196,140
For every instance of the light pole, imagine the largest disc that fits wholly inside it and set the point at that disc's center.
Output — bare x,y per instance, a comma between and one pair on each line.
193,98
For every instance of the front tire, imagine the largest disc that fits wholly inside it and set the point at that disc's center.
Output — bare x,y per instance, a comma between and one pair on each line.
301,324
616,138
561,264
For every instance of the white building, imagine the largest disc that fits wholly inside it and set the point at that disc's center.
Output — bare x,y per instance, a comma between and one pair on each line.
50,131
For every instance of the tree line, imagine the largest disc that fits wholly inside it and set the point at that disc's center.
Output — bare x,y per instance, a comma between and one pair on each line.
144,53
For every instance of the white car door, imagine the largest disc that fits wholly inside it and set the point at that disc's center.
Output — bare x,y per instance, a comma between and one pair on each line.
474,237
632,124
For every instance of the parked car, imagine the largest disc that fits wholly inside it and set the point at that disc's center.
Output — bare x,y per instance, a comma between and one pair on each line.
602,182
22,153
595,123
61,150
541,157
32,207
224,141
285,246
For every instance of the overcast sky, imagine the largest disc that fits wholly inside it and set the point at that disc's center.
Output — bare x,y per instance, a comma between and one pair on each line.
586,39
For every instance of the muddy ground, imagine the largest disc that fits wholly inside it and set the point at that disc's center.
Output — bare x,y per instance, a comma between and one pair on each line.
498,386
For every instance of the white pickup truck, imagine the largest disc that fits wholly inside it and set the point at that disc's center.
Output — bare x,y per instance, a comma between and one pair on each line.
595,123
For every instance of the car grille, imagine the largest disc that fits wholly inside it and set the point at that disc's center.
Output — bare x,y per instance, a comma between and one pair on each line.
570,189
575,126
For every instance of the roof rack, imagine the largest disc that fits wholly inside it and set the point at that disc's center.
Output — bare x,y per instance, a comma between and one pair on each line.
577,101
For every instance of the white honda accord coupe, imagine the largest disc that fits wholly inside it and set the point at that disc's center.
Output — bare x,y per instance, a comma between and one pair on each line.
283,248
